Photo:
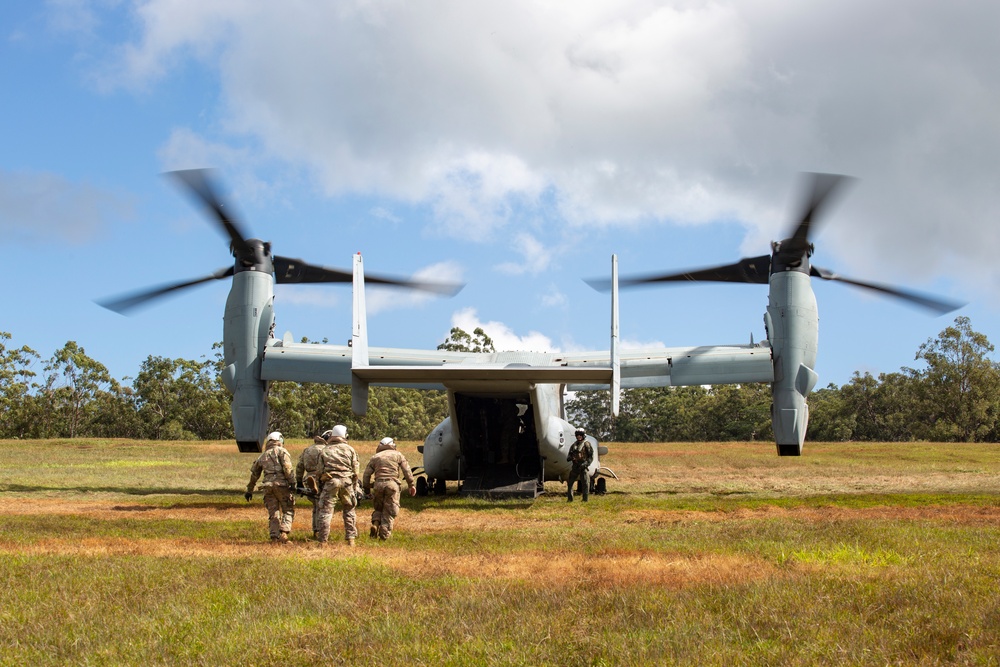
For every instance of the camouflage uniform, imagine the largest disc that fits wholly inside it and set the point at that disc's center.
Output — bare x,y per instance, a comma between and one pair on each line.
385,466
340,474
307,472
581,454
279,478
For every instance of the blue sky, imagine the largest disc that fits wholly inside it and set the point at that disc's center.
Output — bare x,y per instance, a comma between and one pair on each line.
513,146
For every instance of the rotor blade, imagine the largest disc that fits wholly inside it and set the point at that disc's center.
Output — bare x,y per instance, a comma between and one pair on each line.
128,302
288,270
821,187
938,305
753,270
198,182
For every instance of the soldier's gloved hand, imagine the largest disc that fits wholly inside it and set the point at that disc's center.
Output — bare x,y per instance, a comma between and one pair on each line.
248,496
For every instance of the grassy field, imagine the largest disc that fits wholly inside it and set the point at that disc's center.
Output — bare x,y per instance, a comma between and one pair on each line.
120,552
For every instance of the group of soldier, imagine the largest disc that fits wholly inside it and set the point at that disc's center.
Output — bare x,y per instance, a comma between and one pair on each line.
328,473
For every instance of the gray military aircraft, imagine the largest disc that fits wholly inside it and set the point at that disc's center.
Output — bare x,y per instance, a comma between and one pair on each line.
507,432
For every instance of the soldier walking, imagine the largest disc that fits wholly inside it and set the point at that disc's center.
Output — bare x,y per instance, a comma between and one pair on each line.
385,466
307,472
581,455
279,479
339,476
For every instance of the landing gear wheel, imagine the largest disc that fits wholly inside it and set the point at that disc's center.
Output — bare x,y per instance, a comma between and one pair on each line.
440,487
421,486
601,486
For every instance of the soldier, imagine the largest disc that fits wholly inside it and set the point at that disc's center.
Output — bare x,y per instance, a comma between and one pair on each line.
279,480
386,466
339,476
307,472
581,455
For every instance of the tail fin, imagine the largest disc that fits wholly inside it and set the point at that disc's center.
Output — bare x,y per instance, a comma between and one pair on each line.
616,369
359,340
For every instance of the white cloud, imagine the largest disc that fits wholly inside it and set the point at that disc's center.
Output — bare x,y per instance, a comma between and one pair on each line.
42,207
379,299
620,113
536,256
320,296
185,149
504,338
554,298
72,17
382,213
629,344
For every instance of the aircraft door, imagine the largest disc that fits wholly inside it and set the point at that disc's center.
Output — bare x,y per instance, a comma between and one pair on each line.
497,433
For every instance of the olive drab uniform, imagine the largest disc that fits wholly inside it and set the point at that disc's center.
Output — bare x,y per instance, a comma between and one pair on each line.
307,472
339,476
581,455
279,480
385,467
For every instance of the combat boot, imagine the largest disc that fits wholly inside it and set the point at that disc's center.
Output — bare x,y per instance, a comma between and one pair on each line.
284,538
373,532
350,541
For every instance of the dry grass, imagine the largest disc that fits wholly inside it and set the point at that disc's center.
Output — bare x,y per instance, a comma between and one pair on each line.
701,554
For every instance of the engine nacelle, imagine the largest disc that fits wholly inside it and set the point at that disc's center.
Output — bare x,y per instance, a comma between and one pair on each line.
792,323
247,326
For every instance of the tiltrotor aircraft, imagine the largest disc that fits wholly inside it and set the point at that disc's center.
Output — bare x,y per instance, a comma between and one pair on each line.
507,433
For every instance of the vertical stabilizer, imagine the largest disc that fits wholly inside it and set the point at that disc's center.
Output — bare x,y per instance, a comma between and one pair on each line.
616,369
359,340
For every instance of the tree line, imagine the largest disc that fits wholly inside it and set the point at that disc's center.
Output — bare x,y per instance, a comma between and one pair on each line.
954,397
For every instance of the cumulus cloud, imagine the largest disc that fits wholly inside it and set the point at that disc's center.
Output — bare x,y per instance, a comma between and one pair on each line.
504,338
535,255
42,207
378,299
631,112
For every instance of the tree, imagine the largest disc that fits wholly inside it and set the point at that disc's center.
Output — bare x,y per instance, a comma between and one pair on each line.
15,376
73,383
958,391
591,410
180,399
739,412
881,407
829,418
460,341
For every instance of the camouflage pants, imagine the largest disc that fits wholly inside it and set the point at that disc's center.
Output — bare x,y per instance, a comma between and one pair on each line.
337,490
385,498
280,504
314,501
578,473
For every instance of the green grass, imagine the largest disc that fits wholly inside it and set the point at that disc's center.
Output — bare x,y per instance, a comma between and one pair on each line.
702,554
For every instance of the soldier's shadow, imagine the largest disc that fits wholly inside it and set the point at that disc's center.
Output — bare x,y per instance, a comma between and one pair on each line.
125,490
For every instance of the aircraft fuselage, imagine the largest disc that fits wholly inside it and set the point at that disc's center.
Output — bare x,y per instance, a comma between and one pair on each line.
521,429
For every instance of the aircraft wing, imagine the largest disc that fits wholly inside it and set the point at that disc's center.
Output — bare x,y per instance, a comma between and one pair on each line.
682,366
422,369
433,369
